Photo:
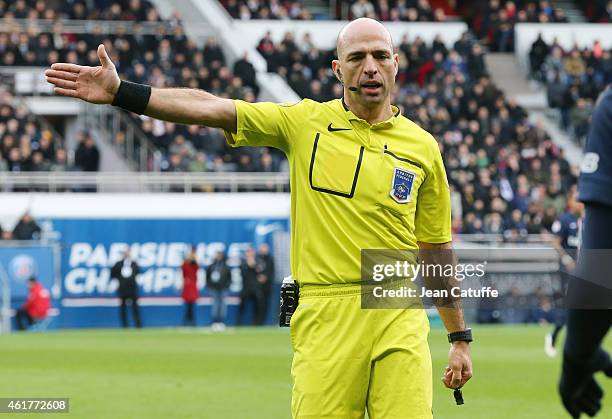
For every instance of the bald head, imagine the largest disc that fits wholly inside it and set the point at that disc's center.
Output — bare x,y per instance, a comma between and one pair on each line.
359,28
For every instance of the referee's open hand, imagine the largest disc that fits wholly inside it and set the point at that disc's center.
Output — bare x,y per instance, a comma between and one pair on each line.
92,84
459,369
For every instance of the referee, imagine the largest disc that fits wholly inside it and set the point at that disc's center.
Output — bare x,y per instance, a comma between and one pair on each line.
362,177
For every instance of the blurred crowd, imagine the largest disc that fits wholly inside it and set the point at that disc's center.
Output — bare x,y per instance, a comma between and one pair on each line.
521,304
162,60
397,10
267,9
506,174
306,68
25,146
129,10
574,78
493,21
387,10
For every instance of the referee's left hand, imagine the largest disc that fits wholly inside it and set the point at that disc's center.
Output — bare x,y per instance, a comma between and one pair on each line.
459,369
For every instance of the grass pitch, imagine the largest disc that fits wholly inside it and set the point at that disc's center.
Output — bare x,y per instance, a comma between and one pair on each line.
245,373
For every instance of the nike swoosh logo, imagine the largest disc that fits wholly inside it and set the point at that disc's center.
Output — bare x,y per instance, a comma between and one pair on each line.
332,129
263,229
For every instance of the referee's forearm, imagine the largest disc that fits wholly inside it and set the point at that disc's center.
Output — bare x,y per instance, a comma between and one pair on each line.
452,318
191,107
450,309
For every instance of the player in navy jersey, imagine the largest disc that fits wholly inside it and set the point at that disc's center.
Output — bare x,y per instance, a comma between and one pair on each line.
590,291
568,231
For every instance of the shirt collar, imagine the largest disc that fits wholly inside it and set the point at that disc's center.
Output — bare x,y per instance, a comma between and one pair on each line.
389,122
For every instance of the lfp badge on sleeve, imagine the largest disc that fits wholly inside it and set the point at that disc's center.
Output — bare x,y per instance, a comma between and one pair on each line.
401,186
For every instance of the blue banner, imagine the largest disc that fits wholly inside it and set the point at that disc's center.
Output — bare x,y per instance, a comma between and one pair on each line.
90,247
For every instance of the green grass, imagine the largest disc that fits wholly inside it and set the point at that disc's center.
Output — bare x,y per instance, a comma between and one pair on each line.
174,373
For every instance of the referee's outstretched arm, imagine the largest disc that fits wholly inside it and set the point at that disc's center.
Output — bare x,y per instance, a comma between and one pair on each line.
101,85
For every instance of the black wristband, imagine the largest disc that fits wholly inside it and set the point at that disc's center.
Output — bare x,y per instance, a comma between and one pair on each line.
133,97
461,336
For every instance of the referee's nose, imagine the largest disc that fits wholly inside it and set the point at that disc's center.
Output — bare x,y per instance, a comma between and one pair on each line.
369,67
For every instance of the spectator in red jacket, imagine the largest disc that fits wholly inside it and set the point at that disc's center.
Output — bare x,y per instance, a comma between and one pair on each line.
190,287
36,306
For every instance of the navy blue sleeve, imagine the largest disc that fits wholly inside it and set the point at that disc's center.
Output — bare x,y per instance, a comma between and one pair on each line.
591,286
595,184
597,232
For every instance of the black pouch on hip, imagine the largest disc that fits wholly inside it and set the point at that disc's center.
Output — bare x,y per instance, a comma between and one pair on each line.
289,297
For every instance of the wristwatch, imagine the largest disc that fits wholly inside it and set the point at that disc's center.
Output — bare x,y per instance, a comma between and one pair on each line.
461,336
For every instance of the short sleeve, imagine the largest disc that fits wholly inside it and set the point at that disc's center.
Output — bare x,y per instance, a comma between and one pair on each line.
265,124
433,214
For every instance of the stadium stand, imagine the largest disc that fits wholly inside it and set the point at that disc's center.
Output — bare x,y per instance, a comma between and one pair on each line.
574,78
269,9
170,59
401,10
597,11
493,21
25,145
393,10
128,10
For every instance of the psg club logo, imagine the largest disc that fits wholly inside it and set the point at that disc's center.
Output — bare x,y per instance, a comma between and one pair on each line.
22,267
401,185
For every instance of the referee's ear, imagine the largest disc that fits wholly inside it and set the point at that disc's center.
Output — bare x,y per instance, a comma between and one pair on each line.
396,63
336,70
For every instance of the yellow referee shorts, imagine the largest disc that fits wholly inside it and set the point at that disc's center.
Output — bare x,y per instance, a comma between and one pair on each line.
347,359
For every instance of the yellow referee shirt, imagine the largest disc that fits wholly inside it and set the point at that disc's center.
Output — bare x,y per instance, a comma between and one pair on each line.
354,185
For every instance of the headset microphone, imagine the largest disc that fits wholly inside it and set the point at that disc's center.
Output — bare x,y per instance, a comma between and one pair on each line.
351,88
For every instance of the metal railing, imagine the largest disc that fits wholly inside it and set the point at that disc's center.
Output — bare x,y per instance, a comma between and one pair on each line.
498,239
124,135
144,181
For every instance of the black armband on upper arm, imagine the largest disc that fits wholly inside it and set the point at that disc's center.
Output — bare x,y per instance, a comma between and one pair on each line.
133,97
